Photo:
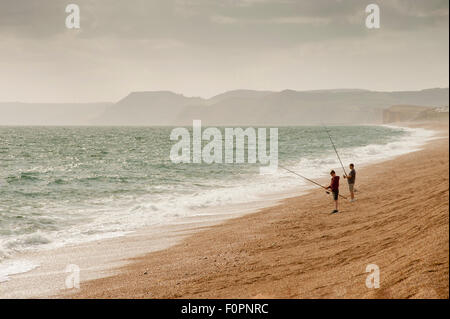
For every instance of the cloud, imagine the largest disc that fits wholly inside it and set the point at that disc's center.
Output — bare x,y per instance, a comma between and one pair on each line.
214,20
202,47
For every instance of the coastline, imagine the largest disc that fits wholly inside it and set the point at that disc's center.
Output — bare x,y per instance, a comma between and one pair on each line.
99,258
298,250
48,268
109,258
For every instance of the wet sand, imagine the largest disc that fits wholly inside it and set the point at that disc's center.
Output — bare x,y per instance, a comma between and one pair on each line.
297,249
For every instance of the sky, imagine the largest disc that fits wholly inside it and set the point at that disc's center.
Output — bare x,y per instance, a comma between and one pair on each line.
205,47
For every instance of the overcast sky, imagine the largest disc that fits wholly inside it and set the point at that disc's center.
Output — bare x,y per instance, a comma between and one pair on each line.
205,47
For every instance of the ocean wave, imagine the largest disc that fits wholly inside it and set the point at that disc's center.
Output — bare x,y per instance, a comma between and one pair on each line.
27,241
23,177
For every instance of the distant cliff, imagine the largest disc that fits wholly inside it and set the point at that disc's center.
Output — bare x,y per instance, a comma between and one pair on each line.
147,108
247,107
407,113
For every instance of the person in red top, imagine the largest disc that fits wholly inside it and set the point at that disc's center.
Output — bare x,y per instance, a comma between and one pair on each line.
334,186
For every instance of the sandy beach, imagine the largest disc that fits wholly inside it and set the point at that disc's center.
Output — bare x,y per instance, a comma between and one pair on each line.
297,249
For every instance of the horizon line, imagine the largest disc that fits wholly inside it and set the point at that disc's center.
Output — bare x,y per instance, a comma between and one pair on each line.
232,90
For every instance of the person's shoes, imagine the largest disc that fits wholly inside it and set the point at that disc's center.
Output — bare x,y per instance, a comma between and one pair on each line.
352,200
334,211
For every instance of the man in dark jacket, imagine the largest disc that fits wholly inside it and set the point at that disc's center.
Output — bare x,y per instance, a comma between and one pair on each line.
351,182
334,186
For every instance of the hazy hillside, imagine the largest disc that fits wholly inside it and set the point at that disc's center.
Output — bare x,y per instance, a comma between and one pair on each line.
311,107
247,107
15,113
243,94
147,108
239,107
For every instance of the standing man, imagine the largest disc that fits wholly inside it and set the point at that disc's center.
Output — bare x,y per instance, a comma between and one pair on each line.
351,182
334,186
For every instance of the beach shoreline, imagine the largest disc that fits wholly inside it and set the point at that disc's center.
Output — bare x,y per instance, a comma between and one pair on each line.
107,258
298,250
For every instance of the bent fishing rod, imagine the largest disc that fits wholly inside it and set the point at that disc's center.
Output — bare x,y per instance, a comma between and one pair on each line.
309,180
334,146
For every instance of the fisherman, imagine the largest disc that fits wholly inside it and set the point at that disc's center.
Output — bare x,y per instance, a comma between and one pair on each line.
334,186
351,182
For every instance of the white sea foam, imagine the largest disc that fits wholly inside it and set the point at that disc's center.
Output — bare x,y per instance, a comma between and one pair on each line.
13,267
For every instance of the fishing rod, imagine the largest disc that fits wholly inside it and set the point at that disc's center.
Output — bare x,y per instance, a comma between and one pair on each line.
332,143
309,180
334,146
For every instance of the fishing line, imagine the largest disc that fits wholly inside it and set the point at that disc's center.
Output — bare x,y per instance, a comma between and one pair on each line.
332,143
309,180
